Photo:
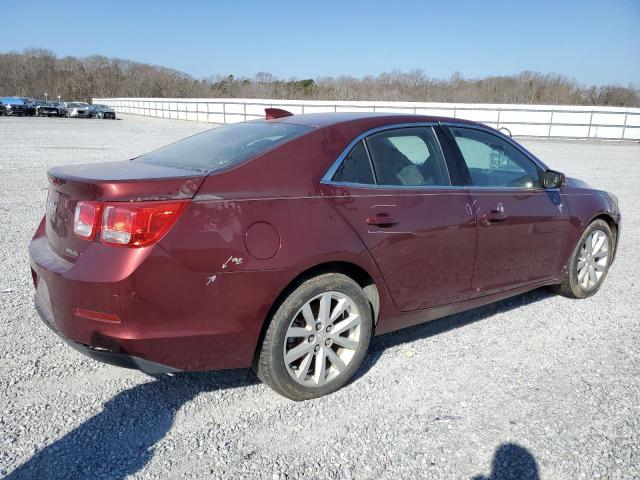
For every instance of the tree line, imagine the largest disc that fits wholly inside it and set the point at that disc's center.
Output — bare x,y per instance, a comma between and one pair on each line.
35,71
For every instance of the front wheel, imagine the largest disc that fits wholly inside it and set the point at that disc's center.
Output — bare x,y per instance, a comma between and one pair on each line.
589,262
317,338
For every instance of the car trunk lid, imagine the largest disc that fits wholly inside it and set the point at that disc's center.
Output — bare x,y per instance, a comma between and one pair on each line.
128,181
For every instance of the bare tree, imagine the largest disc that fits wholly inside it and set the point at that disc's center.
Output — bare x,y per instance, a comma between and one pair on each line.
35,71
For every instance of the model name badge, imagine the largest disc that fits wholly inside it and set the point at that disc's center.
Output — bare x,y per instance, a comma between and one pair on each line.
73,253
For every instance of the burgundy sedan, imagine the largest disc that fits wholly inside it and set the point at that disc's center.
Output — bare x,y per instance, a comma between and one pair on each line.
285,243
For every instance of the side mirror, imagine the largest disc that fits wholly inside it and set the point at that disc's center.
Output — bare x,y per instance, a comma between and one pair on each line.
552,179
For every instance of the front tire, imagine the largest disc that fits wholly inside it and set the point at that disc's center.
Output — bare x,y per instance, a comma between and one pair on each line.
589,262
317,338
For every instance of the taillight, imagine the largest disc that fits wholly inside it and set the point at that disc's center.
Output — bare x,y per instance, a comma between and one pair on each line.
86,218
117,224
130,224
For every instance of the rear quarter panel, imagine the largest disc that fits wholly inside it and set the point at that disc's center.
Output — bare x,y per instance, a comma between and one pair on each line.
237,289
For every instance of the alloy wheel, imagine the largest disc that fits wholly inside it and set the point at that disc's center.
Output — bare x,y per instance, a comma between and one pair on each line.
322,339
593,259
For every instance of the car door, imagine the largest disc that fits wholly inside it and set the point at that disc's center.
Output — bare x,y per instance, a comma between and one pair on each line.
394,188
523,228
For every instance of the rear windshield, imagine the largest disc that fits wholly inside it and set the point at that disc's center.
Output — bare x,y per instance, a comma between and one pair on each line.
223,146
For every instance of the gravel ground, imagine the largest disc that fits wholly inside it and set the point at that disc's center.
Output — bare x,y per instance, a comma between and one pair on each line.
537,386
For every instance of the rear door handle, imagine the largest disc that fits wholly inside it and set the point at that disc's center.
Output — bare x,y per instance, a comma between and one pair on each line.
382,220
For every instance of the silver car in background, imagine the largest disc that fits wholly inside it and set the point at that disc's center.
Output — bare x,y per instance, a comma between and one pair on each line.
77,109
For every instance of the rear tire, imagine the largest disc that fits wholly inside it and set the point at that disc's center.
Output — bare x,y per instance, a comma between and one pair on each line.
316,339
589,262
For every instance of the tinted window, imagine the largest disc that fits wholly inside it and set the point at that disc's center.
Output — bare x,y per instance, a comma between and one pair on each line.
223,146
409,157
494,162
355,168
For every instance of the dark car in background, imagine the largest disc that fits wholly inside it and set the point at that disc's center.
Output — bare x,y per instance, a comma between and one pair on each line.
40,108
101,111
286,243
59,107
13,106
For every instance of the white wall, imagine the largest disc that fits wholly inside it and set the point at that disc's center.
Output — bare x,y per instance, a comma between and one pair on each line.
521,120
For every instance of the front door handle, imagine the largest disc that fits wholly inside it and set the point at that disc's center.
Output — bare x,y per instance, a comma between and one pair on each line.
382,220
496,215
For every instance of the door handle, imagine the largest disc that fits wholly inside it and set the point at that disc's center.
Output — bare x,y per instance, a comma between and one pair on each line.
382,220
496,215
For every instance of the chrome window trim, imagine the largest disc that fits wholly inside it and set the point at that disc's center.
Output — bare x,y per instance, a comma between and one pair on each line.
471,188
395,187
327,178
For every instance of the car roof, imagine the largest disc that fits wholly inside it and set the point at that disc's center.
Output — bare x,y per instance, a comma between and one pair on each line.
320,120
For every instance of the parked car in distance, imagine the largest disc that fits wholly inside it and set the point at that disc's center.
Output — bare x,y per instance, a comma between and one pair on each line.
77,109
61,110
13,106
285,243
41,108
101,111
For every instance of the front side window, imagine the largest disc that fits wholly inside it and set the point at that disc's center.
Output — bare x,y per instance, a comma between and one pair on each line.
356,167
493,162
408,157
223,146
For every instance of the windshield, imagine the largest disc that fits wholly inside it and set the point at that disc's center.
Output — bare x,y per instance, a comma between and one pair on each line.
224,146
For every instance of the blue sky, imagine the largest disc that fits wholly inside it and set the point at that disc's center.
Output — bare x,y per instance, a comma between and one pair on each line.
595,42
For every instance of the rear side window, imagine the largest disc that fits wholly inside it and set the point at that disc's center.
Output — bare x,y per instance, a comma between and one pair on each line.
355,168
224,146
408,157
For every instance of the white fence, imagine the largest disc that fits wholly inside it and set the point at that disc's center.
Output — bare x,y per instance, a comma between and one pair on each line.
615,123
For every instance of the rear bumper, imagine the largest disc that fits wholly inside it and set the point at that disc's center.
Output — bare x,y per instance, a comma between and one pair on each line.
161,312
118,359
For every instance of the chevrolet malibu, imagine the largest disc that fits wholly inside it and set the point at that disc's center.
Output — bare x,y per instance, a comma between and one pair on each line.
285,243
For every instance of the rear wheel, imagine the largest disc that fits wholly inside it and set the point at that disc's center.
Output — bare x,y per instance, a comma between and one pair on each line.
317,338
589,263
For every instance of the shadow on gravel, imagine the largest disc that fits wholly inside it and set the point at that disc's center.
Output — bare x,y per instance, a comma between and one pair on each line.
510,462
120,440
435,327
